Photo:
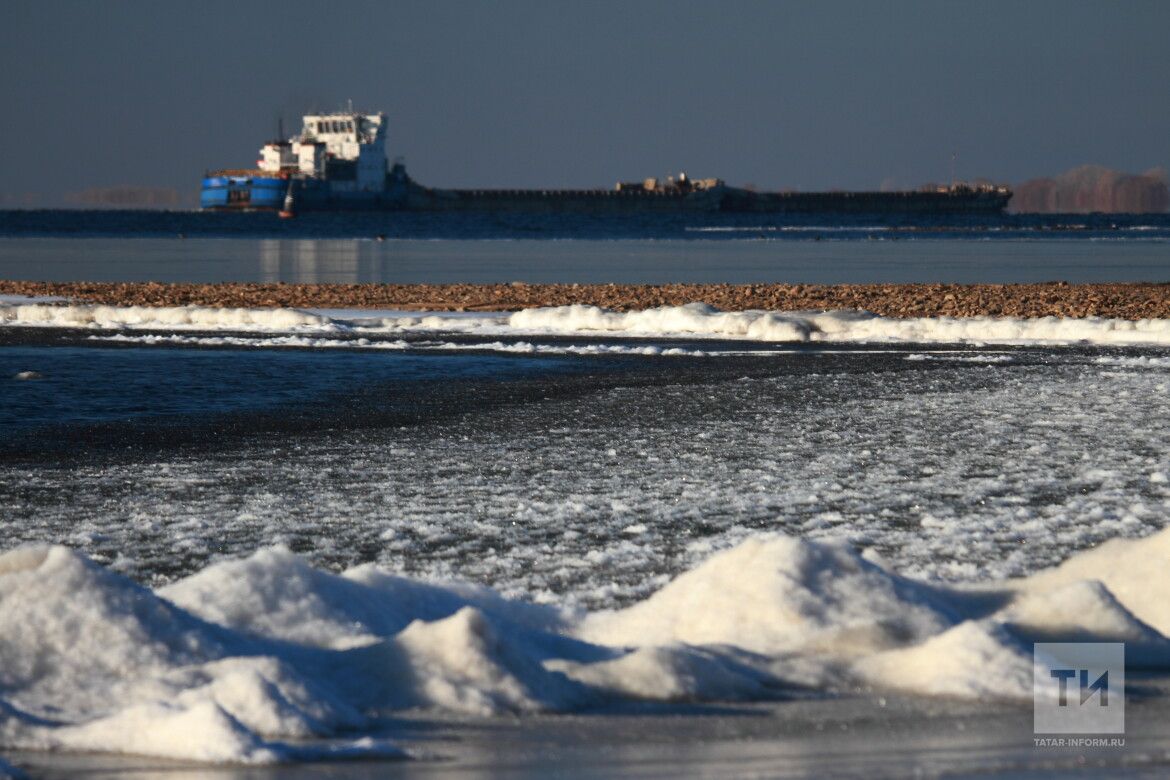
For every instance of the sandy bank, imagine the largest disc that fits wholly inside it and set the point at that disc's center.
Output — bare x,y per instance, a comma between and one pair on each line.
1124,301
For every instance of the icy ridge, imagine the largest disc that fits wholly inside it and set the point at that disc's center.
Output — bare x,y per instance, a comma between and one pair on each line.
246,660
695,320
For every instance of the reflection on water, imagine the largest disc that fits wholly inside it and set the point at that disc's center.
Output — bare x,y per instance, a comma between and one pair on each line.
311,262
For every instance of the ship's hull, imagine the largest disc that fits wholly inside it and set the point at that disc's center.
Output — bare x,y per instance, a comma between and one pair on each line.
909,202
267,193
243,193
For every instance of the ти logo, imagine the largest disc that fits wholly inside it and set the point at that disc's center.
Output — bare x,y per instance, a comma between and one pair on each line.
1101,685
1078,687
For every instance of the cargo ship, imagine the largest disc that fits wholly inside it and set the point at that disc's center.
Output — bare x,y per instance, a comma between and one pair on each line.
338,163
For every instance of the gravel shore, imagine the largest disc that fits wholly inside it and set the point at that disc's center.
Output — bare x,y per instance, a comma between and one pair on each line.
1122,301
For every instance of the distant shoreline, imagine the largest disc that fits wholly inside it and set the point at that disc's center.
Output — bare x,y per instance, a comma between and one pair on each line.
1051,299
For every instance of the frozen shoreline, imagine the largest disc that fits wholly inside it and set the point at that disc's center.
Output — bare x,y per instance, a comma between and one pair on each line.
690,321
266,691
266,660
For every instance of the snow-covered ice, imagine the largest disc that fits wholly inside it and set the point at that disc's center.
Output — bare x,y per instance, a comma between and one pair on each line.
143,317
694,320
774,524
229,665
949,469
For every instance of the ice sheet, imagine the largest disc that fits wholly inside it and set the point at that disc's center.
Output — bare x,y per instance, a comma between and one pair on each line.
951,470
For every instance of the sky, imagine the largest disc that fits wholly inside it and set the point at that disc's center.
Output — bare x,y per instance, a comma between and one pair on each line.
560,93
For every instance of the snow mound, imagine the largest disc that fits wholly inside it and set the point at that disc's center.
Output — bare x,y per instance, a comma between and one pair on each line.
277,594
1085,611
973,660
778,594
203,732
92,661
1134,570
467,663
992,657
267,659
70,631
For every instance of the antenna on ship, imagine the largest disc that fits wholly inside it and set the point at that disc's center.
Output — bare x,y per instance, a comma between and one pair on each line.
954,155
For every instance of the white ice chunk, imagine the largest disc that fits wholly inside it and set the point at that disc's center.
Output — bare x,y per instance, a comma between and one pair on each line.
277,594
975,659
92,661
70,630
464,663
1085,611
148,317
778,594
1136,572
203,732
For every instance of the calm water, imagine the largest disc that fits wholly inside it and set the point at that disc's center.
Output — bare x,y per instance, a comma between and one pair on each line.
86,384
166,224
581,261
418,248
